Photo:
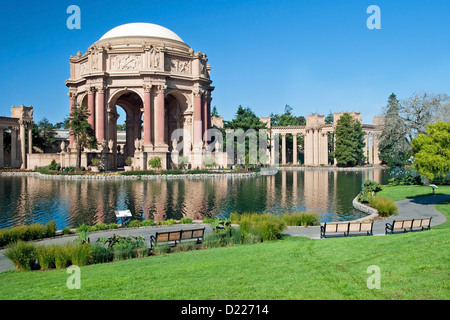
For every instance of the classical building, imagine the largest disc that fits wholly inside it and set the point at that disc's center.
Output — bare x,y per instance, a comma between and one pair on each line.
160,83
317,135
15,154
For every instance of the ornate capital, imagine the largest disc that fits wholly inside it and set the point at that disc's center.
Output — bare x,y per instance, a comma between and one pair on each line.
197,93
91,90
100,89
72,95
161,88
147,87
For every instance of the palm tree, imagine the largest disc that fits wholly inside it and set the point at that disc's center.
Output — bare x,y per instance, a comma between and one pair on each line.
82,131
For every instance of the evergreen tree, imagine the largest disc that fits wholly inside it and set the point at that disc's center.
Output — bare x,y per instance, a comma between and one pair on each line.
394,147
349,141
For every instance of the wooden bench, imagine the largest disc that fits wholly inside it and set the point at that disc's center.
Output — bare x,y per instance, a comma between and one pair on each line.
346,228
408,225
174,237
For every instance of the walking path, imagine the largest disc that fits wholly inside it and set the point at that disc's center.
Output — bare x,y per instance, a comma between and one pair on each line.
419,207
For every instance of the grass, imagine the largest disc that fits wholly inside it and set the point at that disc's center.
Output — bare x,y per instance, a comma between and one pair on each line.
413,266
397,193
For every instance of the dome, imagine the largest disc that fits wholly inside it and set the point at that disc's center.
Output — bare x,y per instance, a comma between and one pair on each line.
141,30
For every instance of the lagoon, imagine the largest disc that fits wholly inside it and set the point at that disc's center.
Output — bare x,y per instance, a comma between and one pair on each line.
29,199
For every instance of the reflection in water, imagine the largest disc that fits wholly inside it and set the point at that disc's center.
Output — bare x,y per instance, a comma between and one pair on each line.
29,199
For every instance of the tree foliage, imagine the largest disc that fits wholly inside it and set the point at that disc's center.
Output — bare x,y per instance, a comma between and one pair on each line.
432,150
394,147
349,141
44,135
82,131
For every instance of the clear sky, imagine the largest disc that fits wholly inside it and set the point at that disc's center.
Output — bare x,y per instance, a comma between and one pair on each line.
316,56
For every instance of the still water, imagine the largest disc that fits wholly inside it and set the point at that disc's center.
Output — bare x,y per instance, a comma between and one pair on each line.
29,199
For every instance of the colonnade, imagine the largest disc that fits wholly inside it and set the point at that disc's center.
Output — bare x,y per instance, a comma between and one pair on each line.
20,123
317,135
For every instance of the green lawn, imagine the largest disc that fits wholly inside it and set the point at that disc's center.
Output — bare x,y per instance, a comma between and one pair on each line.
397,193
413,266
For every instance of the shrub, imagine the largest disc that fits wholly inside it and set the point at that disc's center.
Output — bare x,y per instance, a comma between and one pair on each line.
186,220
81,254
62,256
167,222
50,229
134,223
101,254
301,219
46,257
267,226
207,220
22,254
128,161
83,227
33,232
155,162
148,222
370,188
385,207
95,162
66,231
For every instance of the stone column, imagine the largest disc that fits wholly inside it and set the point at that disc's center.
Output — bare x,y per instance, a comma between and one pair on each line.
100,127
160,116
2,164
274,149
294,147
307,150
91,108
324,148
316,147
370,148
283,148
365,147
22,144
13,147
197,119
30,138
376,158
72,97
147,114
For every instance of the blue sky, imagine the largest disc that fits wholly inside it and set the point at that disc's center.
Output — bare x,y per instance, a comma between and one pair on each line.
316,56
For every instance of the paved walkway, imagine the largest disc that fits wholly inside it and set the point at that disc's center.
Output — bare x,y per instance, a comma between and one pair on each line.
419,207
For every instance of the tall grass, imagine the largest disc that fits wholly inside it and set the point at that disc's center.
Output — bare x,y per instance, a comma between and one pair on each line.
385,207
22,254
266,225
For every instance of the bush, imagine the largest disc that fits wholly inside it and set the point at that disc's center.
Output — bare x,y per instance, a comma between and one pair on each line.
83,227
50,229
22,254
81,254
301,219
370,188
155,162
186,220
46,257
134,224
62,256
101,254
267,226
385,207
147,223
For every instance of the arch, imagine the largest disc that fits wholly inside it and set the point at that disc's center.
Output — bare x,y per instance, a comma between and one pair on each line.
132,103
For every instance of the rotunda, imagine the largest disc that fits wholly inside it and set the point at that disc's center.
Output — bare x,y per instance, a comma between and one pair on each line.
162,85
